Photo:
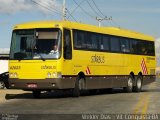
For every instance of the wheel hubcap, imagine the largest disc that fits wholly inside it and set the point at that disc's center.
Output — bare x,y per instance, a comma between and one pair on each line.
139,83
1,85
130,83
81,84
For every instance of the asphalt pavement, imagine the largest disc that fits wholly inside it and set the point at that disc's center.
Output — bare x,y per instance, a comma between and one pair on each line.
58,102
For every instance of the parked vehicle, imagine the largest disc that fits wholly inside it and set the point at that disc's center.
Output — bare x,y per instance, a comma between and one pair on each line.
4,71
4,80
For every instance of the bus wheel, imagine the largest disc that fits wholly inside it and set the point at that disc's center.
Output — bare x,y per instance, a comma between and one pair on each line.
79,85
36,93
129,87
2,85
138,86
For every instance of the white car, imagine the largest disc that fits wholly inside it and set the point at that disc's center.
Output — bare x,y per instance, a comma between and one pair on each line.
4,72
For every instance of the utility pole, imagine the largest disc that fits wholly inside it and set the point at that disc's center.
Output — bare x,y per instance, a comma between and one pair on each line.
64,10
101,19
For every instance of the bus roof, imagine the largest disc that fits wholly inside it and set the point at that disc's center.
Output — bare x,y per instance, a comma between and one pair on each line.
79,26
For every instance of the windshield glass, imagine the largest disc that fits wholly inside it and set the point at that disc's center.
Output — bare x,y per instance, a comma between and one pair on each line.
36,44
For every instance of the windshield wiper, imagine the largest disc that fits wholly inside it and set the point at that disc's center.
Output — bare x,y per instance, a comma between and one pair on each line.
41,57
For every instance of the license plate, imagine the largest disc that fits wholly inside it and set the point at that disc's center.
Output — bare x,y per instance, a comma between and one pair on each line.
32,85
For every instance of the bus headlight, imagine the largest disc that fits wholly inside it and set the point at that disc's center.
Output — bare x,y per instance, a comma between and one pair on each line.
54,74
49,75
13,75
59,75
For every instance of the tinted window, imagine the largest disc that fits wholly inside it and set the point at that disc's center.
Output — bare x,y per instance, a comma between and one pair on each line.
79,40
93,41
125,47
86,40
115,45
134,46
138,47
142,47
105,42
150,48
67,44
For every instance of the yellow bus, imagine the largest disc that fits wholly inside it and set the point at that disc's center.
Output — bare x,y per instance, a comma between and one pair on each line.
64,55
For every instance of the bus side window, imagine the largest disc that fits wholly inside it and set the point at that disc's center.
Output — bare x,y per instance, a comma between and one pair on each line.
67,44
125,48
115,44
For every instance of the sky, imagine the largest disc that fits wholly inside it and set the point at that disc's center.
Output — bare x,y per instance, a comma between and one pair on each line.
138,15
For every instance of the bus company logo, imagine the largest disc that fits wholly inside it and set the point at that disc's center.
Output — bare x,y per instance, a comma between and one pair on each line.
15,67
88,71
48,67
144,67
97,59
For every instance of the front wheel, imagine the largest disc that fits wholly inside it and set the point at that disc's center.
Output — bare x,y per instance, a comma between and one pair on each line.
2,85
129,87
138,86
79,85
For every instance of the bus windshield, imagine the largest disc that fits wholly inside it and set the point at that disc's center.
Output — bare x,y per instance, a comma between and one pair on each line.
36,44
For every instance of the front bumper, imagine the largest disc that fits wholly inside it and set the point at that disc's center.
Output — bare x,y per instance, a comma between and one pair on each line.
45,84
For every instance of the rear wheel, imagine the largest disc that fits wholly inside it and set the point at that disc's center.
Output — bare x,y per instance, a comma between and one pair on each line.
2,85
138,85
36,93
129,87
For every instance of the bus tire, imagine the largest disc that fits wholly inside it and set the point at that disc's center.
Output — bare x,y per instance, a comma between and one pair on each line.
138,84
36,93
79,85
2,85
129,87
